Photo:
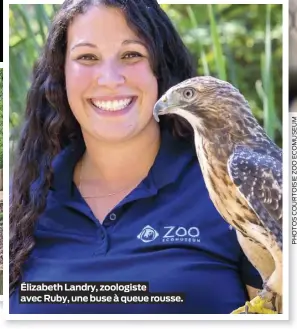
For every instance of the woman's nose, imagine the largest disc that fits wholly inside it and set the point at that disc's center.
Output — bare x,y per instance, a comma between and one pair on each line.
110,75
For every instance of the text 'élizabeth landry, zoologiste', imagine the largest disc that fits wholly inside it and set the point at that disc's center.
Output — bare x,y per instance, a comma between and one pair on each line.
84,286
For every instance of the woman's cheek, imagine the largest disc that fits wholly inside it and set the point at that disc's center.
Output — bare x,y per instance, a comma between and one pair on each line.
139,74
84,72
74,68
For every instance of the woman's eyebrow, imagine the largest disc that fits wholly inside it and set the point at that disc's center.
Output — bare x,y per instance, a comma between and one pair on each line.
125,42
84,44
129,41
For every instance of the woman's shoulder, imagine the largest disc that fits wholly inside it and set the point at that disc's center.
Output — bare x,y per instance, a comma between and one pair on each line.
174,157
64,162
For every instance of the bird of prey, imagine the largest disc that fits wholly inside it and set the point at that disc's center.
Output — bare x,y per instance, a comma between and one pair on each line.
242,170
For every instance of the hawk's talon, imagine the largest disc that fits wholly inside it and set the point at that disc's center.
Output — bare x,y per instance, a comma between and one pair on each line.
246,308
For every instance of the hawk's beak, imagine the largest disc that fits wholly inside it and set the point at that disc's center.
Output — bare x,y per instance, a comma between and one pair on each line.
160,107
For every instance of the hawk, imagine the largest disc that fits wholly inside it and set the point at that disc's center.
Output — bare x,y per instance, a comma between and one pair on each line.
242,170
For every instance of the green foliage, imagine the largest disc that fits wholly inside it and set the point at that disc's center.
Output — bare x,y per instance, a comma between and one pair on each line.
241,43
28,30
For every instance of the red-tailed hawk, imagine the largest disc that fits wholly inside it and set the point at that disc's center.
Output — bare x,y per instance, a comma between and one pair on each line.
242,169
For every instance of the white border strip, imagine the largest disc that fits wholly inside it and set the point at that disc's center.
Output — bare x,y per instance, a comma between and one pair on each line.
286,150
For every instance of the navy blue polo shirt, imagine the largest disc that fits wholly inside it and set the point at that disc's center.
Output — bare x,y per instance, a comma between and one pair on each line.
165,232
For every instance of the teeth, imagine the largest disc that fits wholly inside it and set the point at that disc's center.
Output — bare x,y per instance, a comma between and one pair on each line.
112,105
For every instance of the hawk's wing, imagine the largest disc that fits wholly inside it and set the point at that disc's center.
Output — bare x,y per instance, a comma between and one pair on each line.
258,177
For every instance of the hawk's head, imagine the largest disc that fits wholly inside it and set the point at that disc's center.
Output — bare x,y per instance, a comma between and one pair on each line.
210,105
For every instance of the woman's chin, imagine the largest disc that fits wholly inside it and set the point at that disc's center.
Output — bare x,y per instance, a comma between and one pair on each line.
118,134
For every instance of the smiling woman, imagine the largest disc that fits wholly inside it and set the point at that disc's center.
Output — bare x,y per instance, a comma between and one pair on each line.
110,85
101,191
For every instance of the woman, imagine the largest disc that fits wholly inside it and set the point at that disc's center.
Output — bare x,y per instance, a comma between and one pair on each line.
101,192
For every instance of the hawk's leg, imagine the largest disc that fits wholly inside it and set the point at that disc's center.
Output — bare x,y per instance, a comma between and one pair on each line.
268,295
265,302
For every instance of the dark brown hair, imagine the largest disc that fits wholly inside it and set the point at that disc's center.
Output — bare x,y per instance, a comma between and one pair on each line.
49,123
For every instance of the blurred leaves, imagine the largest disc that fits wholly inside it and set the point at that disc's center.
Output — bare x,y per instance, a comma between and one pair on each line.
241,43
28,31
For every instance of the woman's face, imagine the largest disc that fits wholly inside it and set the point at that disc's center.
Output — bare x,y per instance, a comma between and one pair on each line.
110,86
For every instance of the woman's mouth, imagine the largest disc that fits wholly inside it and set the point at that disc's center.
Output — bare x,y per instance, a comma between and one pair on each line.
113,105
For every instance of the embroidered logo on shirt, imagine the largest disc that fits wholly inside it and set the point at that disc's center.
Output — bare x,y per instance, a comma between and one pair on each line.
181,234
170,234
148,234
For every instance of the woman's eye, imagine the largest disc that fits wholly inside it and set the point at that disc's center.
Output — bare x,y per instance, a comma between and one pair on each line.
87,57
131,55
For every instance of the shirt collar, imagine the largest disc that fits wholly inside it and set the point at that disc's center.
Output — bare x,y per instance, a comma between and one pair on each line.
173,156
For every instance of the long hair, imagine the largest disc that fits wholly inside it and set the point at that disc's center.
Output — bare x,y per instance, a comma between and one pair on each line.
49,124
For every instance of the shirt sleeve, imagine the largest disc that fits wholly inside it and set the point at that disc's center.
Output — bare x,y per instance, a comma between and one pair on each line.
250,276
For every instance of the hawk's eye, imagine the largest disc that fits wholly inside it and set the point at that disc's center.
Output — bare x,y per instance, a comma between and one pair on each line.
189,93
